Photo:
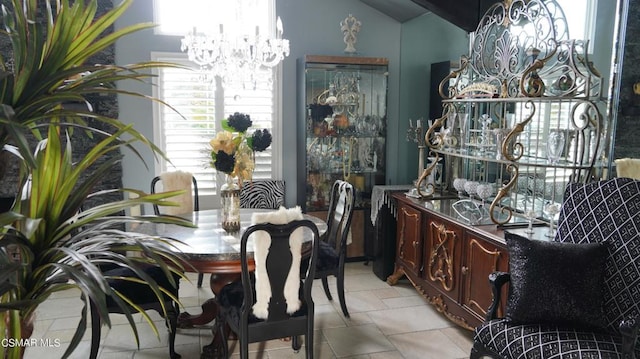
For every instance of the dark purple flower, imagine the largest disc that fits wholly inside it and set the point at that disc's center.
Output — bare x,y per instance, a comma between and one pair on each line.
239,121
260,140
225,162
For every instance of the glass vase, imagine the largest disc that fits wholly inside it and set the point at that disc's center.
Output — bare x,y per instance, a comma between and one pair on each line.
230,197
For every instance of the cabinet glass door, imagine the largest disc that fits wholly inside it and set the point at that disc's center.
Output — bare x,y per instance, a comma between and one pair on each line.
346,124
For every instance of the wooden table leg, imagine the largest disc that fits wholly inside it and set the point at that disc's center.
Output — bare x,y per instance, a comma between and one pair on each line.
209,313
210,307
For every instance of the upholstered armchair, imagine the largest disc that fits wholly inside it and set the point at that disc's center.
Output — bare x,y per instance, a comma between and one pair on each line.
577,296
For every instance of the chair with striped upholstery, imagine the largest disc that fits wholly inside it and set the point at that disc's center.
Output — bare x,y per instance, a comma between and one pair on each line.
265,194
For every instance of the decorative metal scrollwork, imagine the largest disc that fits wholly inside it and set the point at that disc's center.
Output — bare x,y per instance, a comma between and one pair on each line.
511,149
505,211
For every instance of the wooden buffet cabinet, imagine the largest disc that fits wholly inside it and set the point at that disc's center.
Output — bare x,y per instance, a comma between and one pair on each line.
447,261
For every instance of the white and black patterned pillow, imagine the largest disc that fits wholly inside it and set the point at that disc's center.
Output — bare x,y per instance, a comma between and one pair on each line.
265,194
608,211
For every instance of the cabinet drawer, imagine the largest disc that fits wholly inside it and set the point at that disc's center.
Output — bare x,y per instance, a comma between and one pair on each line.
409,239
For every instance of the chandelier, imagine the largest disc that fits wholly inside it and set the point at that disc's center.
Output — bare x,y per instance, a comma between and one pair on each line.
236,58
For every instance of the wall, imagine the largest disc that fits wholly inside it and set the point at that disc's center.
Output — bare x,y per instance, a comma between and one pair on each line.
425,40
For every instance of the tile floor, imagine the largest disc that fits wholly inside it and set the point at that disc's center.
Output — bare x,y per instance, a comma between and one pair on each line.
387,322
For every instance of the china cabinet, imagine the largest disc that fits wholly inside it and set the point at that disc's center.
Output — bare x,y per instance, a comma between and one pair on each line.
344,129
522,115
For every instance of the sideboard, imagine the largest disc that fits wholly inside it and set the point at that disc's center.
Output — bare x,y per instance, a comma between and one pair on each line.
447,260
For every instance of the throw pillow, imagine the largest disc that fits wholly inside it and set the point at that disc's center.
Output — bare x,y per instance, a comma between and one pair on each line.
558,283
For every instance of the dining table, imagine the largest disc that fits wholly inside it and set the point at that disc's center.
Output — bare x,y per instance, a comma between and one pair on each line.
207,248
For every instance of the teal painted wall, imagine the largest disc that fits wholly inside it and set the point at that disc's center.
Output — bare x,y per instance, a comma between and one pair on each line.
425,40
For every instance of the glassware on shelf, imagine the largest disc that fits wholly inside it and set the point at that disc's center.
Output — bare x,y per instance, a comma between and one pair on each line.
458,184
484,191
551,209
463,120
555,146
530,214
471,187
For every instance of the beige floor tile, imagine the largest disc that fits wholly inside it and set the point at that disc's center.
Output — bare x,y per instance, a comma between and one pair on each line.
402,302
361,301
364,339
327,317
409,319
320,351
387,355
431,344
463,338
359,282
413,328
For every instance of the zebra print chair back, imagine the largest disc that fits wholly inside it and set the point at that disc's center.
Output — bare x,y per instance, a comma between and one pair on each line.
264,194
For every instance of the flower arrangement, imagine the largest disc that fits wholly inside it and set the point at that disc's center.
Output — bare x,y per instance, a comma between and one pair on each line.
233,150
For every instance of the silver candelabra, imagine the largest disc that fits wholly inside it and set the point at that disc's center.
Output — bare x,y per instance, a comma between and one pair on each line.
415,133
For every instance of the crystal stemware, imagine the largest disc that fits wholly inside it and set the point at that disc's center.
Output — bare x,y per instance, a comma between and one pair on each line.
463,121
550,210
471,187
484,191
555,146
530,214
458,184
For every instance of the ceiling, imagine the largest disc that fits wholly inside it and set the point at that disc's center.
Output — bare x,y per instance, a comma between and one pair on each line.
401,10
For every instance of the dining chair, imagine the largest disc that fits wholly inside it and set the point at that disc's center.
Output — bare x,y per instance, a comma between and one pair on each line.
333,244
273,302
189,202
173,181
142,296
265,194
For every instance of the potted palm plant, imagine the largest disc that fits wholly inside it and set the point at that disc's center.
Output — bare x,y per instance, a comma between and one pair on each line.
49,243
46,243
48,67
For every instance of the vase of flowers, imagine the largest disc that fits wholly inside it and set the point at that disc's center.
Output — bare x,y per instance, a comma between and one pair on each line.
233,152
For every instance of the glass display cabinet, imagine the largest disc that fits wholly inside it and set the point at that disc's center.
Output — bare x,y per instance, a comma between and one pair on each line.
345,123
522,117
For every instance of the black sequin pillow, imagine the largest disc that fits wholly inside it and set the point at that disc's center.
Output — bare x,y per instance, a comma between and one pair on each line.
553,282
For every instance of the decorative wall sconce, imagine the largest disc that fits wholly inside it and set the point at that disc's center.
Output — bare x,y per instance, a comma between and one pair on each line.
350,27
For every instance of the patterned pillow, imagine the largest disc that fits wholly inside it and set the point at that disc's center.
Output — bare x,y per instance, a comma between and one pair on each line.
608,211
556,283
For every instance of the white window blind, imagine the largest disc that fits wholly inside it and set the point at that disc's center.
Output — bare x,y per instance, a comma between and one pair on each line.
184,135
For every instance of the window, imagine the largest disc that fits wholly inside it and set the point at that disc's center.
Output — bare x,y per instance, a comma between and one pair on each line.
581,17
185,139
179,17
